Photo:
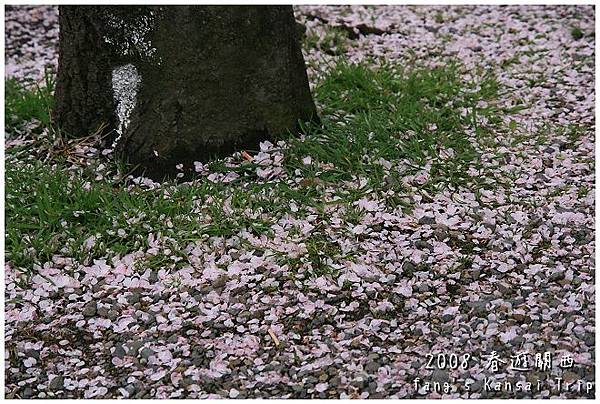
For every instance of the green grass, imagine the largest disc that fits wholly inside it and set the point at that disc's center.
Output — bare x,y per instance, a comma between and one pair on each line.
576,33
571,134
320,250
334,42
322,253
367,113
24,104
393,113
51,211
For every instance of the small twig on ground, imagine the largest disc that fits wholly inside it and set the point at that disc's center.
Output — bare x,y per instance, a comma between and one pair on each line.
246,156
274,337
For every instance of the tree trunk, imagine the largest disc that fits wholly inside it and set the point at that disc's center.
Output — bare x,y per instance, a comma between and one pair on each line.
186,83
84,99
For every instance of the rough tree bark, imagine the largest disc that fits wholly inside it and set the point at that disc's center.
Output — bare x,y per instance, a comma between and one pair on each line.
180,84
84,99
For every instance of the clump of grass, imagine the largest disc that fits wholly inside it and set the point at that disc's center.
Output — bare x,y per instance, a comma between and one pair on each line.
334,42
576,33
320,250
23,104
322,253
571,134
53,211
393,113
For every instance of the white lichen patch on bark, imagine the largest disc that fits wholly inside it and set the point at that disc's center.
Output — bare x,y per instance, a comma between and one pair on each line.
132,38
125,83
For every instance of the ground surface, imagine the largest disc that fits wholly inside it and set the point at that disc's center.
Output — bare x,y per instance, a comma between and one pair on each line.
345,297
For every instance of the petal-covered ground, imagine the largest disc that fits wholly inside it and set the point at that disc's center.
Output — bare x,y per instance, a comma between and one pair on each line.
361,299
